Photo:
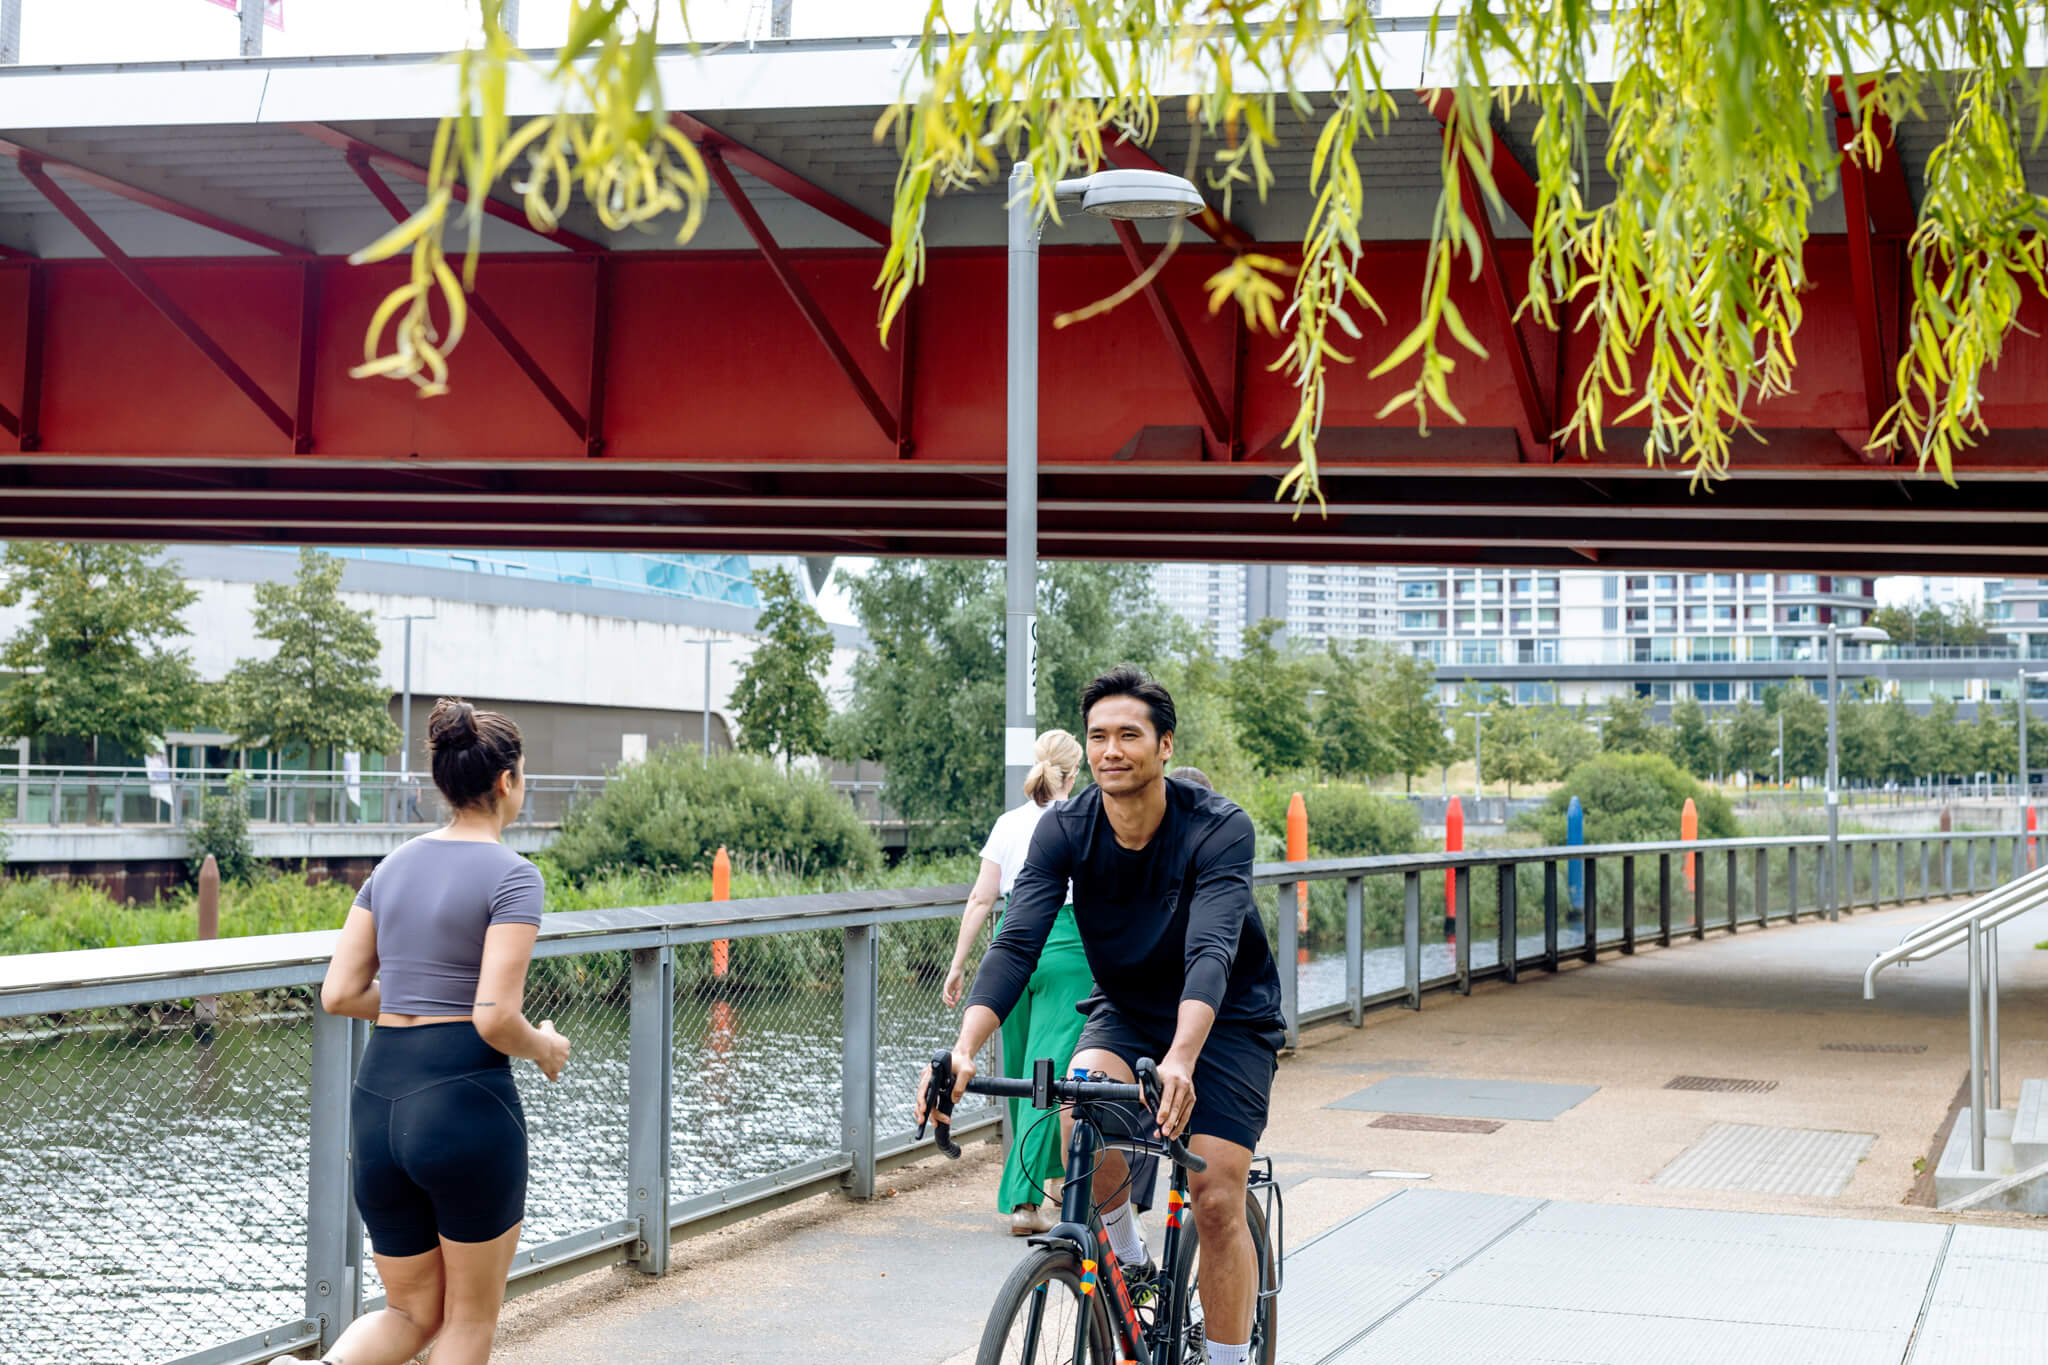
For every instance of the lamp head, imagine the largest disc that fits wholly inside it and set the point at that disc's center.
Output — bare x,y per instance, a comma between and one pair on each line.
1134,194
1867,635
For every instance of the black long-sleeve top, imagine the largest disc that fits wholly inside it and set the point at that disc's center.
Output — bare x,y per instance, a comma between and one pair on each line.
1169,922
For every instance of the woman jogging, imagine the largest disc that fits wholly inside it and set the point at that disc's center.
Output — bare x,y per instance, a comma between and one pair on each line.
435,950
1045,1022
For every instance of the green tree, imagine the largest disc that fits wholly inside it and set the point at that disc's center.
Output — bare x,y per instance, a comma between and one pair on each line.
1941,741
92,660
1693,746
1897,731
1207,736
1513,748
1629,728
1995,739
322,688
780,700
1404,703
1350,742
1806,731
1269,703
1632,798
1566,735
1751,736
1859,736
927,698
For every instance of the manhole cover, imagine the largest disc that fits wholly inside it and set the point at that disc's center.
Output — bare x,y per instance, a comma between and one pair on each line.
1873,1047
1725,1084
1430,1123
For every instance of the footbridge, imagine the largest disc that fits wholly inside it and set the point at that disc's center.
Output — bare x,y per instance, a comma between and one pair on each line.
1653,1120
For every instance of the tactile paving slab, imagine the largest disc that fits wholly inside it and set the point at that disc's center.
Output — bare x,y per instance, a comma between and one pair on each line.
1990,1302
1465,1097
1744,1156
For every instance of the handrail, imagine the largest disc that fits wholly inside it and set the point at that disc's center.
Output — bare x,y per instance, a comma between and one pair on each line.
1952,930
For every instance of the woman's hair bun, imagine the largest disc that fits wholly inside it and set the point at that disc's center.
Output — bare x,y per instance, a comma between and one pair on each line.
452,725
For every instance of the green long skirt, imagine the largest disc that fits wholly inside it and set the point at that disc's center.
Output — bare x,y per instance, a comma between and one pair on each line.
1044,1024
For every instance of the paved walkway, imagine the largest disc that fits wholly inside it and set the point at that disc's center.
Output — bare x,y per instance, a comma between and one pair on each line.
1638,1223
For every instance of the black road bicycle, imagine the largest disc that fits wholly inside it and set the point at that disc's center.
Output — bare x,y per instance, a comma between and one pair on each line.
1069,1301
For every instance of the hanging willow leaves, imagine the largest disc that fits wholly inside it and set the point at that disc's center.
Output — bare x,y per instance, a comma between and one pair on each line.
1679,151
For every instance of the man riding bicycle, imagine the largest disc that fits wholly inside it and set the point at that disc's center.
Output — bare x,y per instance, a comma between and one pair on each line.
1162,896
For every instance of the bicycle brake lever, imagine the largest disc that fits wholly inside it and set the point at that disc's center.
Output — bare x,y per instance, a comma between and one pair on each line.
939,1106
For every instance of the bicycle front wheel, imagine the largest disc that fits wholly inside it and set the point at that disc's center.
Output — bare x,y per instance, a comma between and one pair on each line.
1036,1313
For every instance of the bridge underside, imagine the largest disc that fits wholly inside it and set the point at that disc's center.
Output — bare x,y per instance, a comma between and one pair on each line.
178,321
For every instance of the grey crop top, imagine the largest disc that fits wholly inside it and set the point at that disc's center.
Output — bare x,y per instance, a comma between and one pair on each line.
432,899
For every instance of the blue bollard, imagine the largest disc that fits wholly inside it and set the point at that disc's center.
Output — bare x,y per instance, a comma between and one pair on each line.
1575,871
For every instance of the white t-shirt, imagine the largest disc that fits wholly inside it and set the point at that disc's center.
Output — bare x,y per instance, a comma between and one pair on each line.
1009,843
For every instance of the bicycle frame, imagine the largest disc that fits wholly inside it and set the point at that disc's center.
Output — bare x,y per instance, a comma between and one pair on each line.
1080,1227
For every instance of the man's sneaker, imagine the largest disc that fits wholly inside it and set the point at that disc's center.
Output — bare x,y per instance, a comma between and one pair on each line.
1142,1281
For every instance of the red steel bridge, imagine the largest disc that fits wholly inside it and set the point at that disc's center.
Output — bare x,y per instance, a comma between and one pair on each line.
177,322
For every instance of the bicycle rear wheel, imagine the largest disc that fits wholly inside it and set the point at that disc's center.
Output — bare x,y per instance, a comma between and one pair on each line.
1035,1313
1190,1335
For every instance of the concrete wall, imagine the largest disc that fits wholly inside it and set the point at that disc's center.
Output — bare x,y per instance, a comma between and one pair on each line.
578,667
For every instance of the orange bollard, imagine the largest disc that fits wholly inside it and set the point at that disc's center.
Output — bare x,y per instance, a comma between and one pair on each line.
721,890
1689,830
1297,852
2031,827
1454,842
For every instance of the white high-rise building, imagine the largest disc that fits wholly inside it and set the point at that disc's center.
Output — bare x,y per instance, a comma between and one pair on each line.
1323,602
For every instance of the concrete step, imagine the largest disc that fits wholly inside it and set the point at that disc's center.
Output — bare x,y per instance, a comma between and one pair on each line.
1954,1175
2030,1125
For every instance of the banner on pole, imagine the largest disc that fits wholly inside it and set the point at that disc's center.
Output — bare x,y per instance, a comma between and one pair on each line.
273,11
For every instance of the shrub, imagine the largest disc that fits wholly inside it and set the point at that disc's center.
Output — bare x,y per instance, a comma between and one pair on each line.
1350,822
1629,799
672,812
223,831
42,916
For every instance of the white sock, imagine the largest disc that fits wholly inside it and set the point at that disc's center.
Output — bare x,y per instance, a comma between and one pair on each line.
1125,1238
1219,1354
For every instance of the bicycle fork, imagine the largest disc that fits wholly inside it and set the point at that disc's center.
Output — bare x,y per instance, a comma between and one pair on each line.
1099,1266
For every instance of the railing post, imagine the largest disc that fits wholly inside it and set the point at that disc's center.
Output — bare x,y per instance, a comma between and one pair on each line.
1970,859
1792,885
1462,953
1550,915
1628,904
1664,899
1591,917
1976,1048
1876,877
333,1258
1948,868
1733,876
860,1027
1510,910
1845,896
1926,869
650,1073
1290,962
1354,949
1993,1087
1411,937
1899,880
1699,897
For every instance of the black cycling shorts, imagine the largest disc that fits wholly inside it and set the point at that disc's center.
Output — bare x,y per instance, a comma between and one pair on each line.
1233,1076
440,1139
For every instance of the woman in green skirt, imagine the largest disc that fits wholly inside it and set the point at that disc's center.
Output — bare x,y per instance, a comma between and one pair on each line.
1045,1022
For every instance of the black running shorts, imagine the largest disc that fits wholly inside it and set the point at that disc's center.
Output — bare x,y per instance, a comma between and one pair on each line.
1233,1076
440,1139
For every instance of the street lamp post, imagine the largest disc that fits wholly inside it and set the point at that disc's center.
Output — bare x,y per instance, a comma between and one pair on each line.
1106,194
2026,775
707,642
1478,792
1833,870
405,716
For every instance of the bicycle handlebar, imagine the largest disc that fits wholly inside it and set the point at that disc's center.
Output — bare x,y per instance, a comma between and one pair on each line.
1047,1093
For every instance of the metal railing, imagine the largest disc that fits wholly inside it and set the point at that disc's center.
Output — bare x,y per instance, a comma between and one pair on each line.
167,1112
116,797
1974,924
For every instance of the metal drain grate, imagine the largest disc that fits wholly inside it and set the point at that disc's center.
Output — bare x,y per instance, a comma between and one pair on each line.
1431,1123
1724,1084
1873,1047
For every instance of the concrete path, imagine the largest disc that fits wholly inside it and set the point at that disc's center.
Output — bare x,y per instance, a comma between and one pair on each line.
908,1278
